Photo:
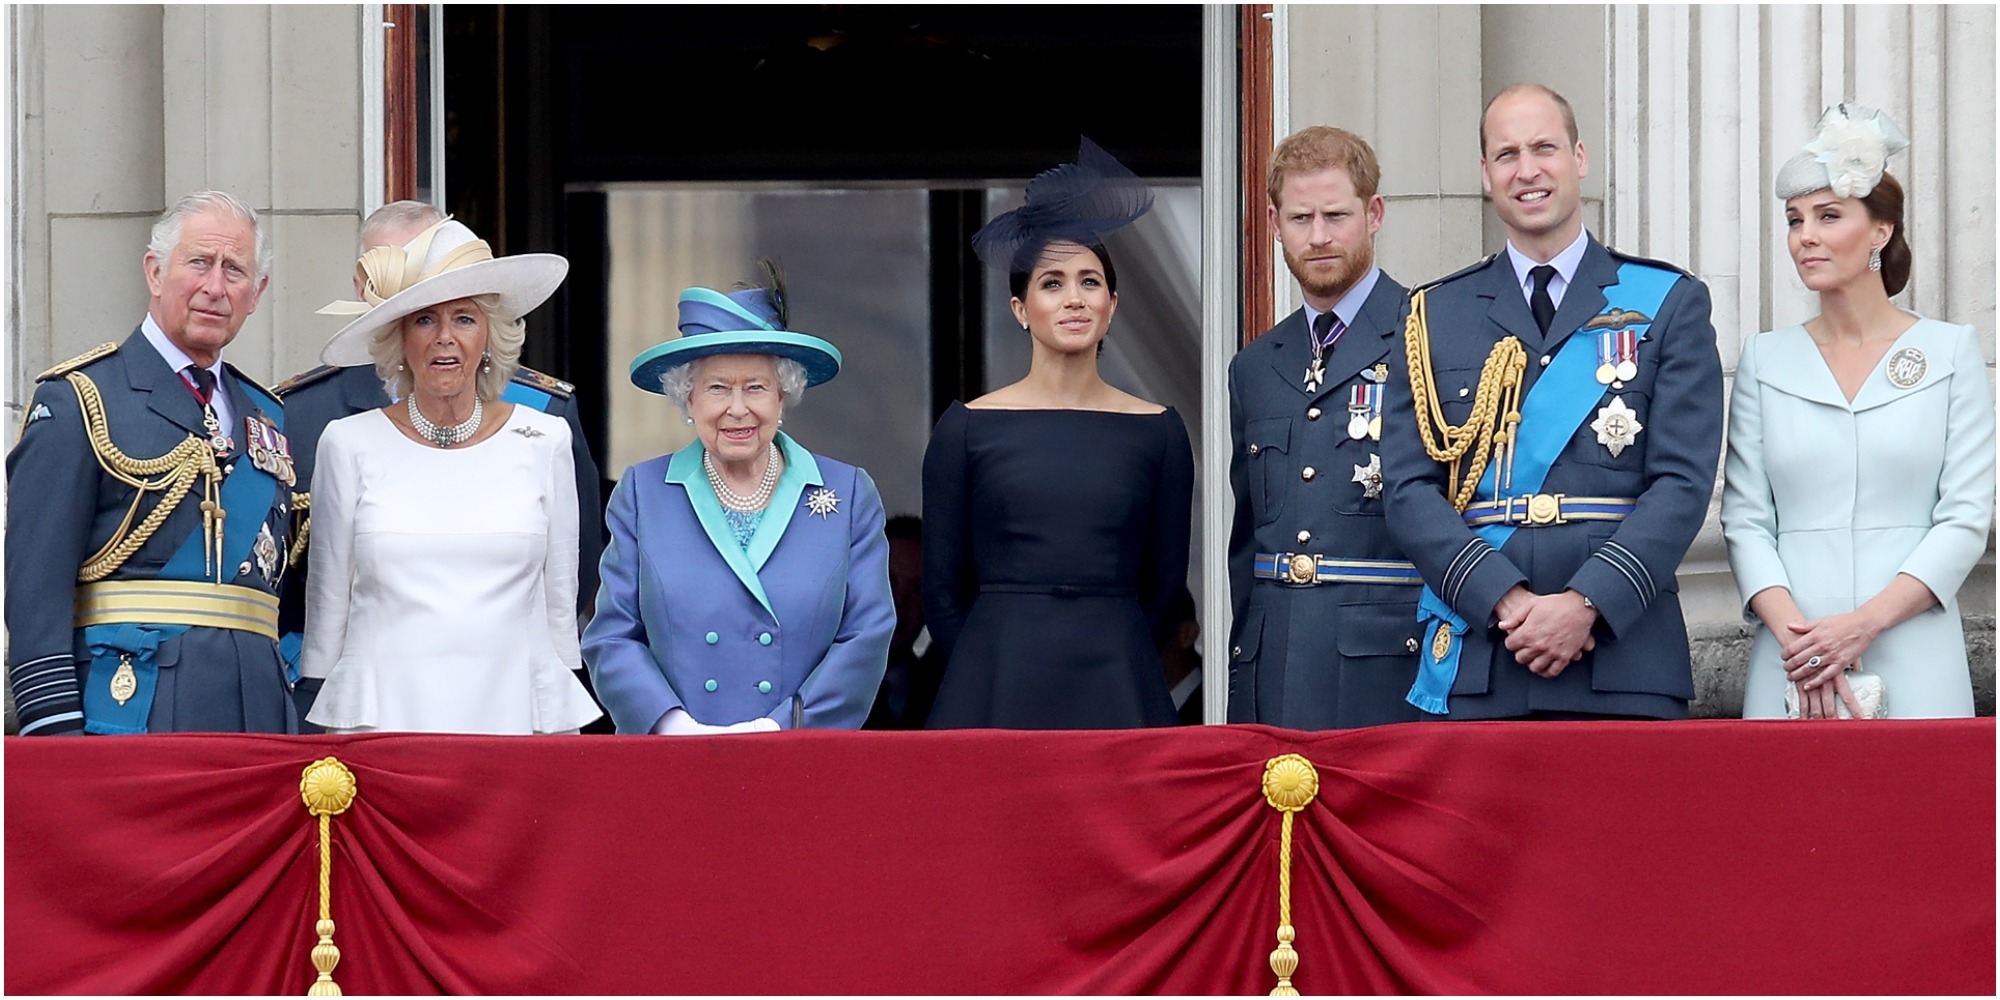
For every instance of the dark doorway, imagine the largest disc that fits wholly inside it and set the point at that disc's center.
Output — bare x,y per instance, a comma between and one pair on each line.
547,108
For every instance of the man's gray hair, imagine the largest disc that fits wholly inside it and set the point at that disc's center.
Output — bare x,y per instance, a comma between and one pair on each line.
418,215
678,383
167,231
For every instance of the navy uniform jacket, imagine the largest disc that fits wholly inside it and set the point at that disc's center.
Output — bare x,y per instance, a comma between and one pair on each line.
1331,655
325,394
1641,663
62,507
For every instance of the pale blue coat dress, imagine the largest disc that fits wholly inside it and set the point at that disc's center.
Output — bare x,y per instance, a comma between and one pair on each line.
1832,499
794,628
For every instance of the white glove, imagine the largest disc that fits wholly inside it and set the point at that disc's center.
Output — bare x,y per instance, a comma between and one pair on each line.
677,722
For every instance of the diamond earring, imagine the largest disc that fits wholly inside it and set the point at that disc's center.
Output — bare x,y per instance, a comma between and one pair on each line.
1875,259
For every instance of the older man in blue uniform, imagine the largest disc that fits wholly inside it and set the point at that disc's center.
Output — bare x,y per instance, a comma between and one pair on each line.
321,395
1324,600
149,504
1568,418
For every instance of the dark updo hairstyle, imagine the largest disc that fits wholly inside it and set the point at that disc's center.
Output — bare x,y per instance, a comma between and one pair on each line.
1885,204
1017,281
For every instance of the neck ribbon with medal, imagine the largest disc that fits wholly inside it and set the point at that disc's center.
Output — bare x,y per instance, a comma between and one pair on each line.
1364,404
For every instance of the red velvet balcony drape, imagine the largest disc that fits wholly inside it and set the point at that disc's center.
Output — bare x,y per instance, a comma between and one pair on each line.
1701,857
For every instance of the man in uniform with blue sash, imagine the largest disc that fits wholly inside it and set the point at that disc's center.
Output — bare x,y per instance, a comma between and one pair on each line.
322,395
1324,600
149,506
1568,419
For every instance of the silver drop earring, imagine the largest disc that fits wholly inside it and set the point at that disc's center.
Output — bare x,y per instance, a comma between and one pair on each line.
1875,259
486,362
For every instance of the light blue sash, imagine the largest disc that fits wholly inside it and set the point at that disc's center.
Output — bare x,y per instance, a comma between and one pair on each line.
246,496
1562,397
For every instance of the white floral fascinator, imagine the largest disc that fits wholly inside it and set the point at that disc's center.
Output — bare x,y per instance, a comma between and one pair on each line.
1847,156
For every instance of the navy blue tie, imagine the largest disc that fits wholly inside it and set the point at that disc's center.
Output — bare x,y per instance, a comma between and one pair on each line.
1543,306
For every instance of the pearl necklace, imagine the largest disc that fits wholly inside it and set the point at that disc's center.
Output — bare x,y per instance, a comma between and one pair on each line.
445,437
736,501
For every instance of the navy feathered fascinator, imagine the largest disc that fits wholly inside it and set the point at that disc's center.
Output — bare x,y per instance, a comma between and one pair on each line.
1075,203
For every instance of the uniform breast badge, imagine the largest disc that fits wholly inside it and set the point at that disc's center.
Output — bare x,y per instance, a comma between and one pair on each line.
1907,367
1617,426
822,502
1370,477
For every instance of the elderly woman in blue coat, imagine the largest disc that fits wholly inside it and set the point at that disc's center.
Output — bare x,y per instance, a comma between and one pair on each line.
746,584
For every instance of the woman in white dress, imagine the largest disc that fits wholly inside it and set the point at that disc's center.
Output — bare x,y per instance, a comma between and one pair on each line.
1858,490
444,545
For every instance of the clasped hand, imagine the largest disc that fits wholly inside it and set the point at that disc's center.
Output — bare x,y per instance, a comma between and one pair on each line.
1818,657
1547,632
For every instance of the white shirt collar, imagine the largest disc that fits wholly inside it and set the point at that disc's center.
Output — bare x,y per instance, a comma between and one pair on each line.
1565,264
1350,304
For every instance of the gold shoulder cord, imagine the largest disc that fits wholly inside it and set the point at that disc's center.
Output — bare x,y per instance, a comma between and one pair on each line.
174,473
301,526
1496,408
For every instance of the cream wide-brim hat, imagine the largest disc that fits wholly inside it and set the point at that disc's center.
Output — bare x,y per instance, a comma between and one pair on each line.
442,264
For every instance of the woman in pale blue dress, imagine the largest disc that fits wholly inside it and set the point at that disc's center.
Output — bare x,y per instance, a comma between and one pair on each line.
1858,489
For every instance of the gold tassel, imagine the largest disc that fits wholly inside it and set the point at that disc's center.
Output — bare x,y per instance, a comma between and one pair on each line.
327,787
1290,784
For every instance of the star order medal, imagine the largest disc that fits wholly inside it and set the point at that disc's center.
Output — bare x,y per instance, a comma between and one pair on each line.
265,549
1617,426
822,502
1370,477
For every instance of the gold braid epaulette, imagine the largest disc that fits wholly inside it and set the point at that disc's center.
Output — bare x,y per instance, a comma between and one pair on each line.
302,520
1496,407
174,473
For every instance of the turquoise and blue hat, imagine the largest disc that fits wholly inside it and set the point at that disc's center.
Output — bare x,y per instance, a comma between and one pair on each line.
745,322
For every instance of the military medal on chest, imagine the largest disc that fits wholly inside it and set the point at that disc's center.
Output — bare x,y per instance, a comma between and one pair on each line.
1364,404
269,450
1617,356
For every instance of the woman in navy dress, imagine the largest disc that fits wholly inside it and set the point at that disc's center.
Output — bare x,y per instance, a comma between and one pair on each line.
1056,509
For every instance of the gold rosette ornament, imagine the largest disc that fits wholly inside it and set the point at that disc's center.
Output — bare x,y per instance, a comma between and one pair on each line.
327,787
1290,784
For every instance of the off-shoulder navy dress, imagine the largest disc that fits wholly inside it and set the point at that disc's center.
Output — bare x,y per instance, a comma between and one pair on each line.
1054,543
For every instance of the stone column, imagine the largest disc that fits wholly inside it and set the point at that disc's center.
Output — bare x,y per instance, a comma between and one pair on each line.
119,111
